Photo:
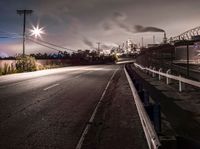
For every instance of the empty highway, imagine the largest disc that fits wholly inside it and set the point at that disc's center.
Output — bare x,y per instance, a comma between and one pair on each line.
49,108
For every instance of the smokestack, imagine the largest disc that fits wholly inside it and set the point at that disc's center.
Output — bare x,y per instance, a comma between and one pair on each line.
142,42
165,38
153,39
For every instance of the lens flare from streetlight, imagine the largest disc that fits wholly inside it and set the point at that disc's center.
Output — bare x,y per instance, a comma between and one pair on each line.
37,31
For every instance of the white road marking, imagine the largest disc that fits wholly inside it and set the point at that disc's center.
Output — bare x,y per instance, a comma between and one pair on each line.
54,85
80,142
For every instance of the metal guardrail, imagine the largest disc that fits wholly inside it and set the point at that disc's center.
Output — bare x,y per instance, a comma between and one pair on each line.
151,136
125,62
169,76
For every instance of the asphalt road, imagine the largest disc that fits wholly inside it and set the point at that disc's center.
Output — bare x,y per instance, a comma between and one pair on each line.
49,109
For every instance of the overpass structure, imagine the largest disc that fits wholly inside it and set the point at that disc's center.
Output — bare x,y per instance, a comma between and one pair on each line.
187,39
192,34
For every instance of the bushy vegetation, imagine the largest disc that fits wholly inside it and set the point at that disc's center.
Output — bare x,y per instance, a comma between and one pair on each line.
25,64
81,57
7,69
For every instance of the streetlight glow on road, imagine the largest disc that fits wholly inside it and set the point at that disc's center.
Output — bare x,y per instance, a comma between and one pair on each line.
37,31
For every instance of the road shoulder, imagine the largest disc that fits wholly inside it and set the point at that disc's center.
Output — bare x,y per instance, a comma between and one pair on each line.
116,124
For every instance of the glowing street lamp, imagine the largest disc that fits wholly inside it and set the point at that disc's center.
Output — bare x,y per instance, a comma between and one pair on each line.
37,31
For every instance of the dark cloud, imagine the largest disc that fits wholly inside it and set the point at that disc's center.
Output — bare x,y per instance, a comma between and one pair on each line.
108,46
107,26
125,26
105,47
119,19
87,42
66,22
140,28
118,15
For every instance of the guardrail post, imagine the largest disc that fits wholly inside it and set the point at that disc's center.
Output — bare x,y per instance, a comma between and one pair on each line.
137,85
168,80
153,75
180,85
146,71
149,72
157,117
159,76
146,97
141,94
154,113
140,87
149,110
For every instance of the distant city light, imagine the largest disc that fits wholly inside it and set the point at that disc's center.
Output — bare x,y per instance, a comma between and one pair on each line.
37,31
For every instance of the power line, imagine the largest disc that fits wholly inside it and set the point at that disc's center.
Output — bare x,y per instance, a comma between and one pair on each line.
39,41
4,34
52,44
44,45
10,37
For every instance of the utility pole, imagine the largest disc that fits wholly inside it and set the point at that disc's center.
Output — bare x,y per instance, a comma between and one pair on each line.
24,13
188,61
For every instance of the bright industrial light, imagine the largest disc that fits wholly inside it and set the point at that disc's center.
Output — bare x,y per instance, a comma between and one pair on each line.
37,31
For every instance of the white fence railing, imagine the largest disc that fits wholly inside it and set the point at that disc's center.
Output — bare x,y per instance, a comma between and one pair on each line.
151,136
168,76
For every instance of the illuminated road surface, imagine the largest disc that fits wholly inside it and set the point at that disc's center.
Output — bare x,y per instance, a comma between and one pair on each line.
49,109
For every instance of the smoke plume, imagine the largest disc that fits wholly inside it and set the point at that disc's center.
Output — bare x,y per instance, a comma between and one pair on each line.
120,19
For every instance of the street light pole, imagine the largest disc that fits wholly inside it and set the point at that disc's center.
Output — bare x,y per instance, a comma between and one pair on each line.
188,59
24,13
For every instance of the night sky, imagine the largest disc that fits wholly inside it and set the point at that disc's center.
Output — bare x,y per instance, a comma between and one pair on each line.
80,24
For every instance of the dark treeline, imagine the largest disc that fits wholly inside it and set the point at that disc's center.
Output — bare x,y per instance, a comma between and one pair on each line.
59,55
8,58
81,56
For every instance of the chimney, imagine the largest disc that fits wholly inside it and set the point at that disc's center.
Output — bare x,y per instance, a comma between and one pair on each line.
165,38
142,42
154,39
